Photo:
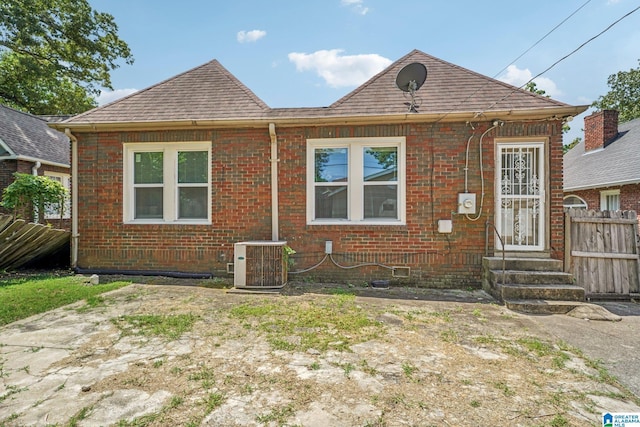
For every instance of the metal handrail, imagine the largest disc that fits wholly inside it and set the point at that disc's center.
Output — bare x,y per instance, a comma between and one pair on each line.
486,245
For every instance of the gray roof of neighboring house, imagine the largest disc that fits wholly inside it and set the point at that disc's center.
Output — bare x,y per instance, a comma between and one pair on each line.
209,92
28,137
618,163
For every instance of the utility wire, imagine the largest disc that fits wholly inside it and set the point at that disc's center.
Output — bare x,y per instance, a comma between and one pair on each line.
543,37
564,57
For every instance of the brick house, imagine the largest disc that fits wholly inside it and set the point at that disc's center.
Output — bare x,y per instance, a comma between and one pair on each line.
603,171
29,145
171,177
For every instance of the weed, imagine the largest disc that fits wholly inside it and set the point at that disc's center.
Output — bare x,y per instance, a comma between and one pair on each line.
450,335
559,421
158,363
92,301
364,366
314,366
501,385
11,390
408,369
475,404
277,415
535,345
79,416
212,401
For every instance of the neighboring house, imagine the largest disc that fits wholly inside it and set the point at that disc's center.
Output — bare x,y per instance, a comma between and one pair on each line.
603,171
169,178
29,145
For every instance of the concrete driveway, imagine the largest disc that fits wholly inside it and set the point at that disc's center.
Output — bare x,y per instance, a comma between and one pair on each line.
383,358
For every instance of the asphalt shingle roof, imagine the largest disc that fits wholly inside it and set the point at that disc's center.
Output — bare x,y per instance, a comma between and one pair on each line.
210,92
26,135
618,163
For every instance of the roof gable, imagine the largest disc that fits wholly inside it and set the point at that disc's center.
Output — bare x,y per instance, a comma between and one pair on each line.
23,135
448,89
205,92
616,164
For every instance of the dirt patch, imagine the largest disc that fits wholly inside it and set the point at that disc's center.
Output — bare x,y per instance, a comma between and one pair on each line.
312,355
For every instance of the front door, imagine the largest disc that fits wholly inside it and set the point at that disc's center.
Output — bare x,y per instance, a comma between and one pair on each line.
521,196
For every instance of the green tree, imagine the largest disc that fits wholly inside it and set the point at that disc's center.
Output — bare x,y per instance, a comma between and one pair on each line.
28,194
55,55
624,95
566,148
533,87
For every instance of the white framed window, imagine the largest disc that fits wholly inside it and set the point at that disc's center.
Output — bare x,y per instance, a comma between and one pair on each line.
54,212
356,181
167,183
610,200
575,202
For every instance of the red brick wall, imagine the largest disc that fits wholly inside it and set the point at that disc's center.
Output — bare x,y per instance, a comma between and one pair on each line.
629,197
599,129
241,200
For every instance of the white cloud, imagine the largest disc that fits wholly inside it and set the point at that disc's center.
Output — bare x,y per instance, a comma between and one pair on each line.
356,5
107,96
340,70
250,36
517,77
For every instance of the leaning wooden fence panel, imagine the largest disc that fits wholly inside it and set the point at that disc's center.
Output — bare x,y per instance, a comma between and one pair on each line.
602,251
22,242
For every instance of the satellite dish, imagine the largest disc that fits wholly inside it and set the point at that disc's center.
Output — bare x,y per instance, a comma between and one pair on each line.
410,79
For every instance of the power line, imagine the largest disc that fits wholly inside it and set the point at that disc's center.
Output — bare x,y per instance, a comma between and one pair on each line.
564,57
543,37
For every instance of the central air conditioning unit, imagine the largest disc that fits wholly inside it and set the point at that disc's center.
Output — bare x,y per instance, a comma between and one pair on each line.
259,265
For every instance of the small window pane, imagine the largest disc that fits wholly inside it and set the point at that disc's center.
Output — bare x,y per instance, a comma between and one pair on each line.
148,168
381,164
381,201
192,167
148,202
192,203
331,164
331,202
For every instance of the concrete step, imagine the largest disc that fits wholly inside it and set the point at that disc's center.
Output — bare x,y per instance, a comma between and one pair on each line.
540,306
554,292
531,277
525,264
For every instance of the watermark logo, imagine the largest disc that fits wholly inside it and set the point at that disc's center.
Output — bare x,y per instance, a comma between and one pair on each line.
620,419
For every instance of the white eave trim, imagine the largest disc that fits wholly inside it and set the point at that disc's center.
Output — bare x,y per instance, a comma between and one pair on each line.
602,185
34,160
551,113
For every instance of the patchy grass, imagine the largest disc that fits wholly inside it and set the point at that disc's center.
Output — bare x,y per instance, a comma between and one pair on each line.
24,297
336,322
168,326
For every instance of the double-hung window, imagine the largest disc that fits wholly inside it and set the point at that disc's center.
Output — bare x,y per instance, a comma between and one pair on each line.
610,200
356,181
167,183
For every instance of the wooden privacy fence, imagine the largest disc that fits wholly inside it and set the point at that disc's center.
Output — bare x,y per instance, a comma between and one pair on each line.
602,251
22,242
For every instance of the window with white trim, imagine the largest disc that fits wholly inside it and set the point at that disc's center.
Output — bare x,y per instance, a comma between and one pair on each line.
167,183
356,180
575,202
610,200
53,212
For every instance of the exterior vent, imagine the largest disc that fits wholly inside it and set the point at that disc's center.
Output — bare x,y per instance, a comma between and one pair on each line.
259,265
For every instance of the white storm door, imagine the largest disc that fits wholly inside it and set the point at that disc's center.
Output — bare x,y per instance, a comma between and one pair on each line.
521,196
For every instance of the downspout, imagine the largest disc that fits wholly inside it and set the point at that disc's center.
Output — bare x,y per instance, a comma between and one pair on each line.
74,198
36,211
274,182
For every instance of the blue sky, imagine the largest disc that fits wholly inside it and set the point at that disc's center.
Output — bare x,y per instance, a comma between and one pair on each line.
309,53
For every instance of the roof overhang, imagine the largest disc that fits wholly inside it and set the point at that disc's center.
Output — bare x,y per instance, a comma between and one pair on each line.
35,160
601,185
551,113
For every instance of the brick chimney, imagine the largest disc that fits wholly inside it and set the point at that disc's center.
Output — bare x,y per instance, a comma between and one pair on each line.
599,129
